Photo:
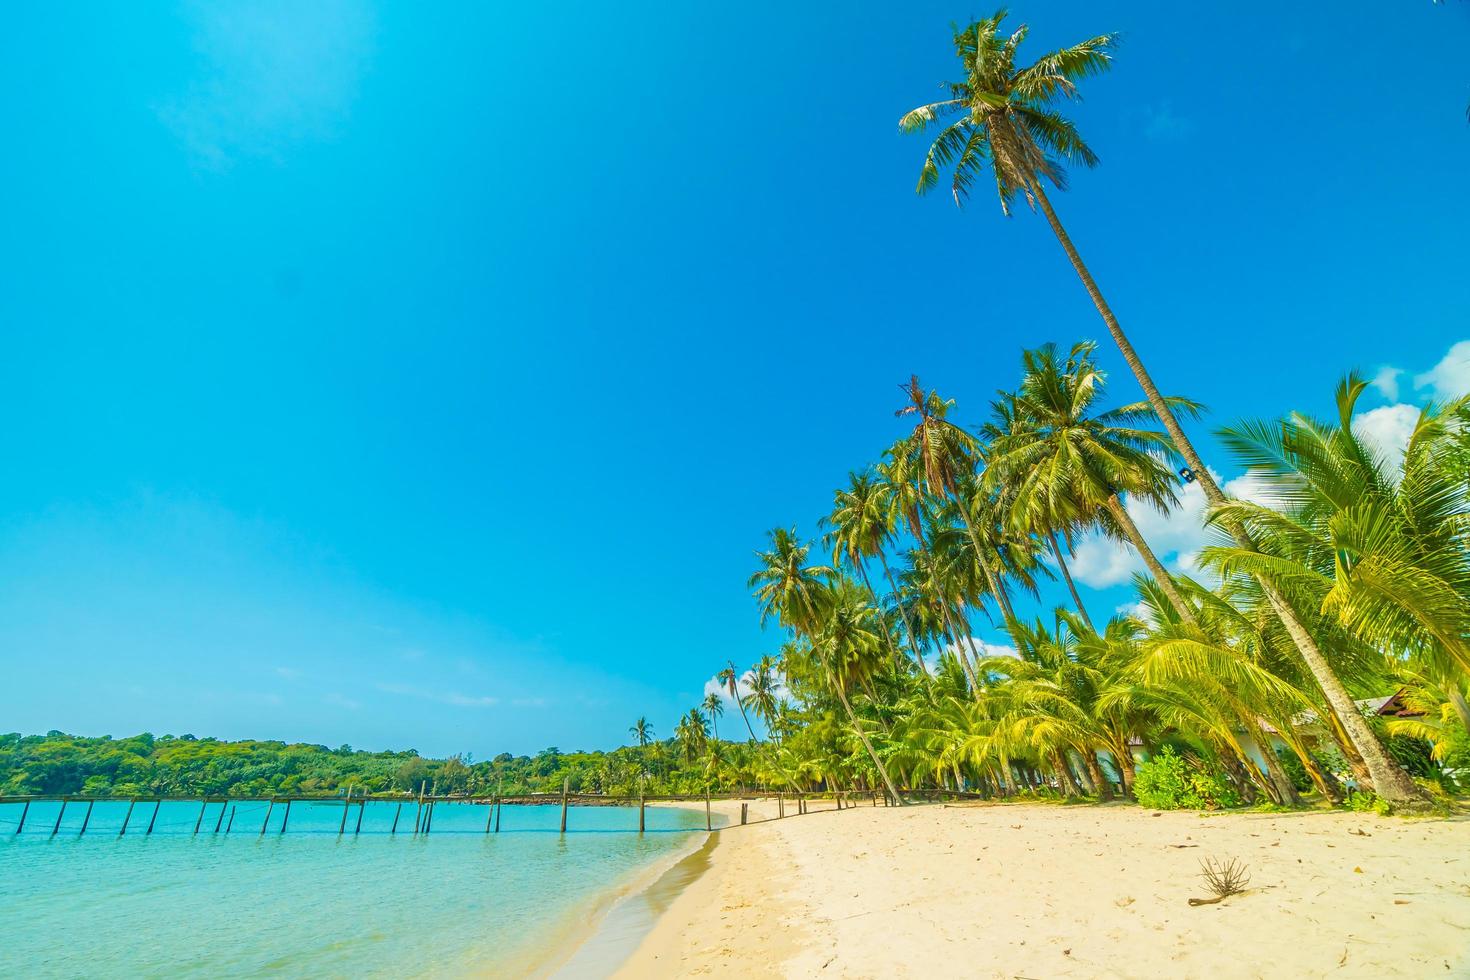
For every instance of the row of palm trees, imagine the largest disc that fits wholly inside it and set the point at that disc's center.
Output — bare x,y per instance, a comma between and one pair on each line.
1351,575
1367,553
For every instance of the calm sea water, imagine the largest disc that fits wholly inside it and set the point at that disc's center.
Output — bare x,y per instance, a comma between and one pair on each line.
306,902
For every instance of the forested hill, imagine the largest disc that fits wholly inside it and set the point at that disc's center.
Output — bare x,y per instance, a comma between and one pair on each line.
57,763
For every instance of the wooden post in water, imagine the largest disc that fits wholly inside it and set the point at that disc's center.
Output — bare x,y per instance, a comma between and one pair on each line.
61,813
429,816
86,818
490,815
641,804
286,817
418,815
361,809
127,816
346,802
202,805
565,784
395,819
153,819
499,802
266,822
231,823
223,805
707,823
24,810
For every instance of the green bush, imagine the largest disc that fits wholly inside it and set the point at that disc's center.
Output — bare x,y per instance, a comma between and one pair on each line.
1167,782
1362,801
1295,771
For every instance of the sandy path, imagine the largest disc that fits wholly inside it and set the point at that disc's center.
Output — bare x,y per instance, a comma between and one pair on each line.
1047,891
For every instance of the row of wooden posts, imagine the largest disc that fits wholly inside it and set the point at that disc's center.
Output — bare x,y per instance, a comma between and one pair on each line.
423,814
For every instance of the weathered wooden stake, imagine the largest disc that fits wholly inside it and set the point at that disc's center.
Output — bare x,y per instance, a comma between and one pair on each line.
418,815
565,784
202,805
231,824
395,819
641,806
23,811
498,804
153,819
57,825
127,816
86,818
429,816
744,813
223,805
266,822
346,802
708,824
780,806
361,809
286,817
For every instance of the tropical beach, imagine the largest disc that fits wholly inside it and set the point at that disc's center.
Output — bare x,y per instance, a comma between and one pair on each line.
1047,891
620,491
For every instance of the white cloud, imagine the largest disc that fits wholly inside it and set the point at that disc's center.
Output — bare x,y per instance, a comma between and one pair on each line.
271,73
1387,382
342,701
1388,429
1176,537
1450,378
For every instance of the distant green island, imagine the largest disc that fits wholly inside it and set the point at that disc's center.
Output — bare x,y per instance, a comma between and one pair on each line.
59,764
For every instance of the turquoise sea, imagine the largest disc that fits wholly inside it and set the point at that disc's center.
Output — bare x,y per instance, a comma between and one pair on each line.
307,902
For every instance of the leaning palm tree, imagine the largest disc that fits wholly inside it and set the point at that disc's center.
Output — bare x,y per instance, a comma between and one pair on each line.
1003,117
1069,462
713,707
801,599
856,531
730,677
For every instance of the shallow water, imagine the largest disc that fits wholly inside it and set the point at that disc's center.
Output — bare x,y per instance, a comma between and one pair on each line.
308,903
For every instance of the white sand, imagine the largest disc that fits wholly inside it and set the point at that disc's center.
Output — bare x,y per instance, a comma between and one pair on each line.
1047,891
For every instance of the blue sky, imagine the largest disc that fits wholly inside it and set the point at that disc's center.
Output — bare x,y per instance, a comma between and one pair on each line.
426,376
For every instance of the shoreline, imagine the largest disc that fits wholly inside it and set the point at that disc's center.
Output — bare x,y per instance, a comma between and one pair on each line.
612,925
1037,890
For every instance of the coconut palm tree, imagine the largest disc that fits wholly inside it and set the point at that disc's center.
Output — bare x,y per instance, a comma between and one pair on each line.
1065,462
730,677
763,692
856,530
1002,117
642,732
713,707
800,597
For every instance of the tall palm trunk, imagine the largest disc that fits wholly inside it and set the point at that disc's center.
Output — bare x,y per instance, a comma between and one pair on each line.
882,616
1389,779
1160,574
1008,614
877,762
903,611
735,690
1056,551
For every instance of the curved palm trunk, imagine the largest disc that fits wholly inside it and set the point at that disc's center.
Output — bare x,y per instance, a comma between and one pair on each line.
735,690
1388,777
1099,778
1051,538
903,612
1155,567
863,736
1008,614
882,616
